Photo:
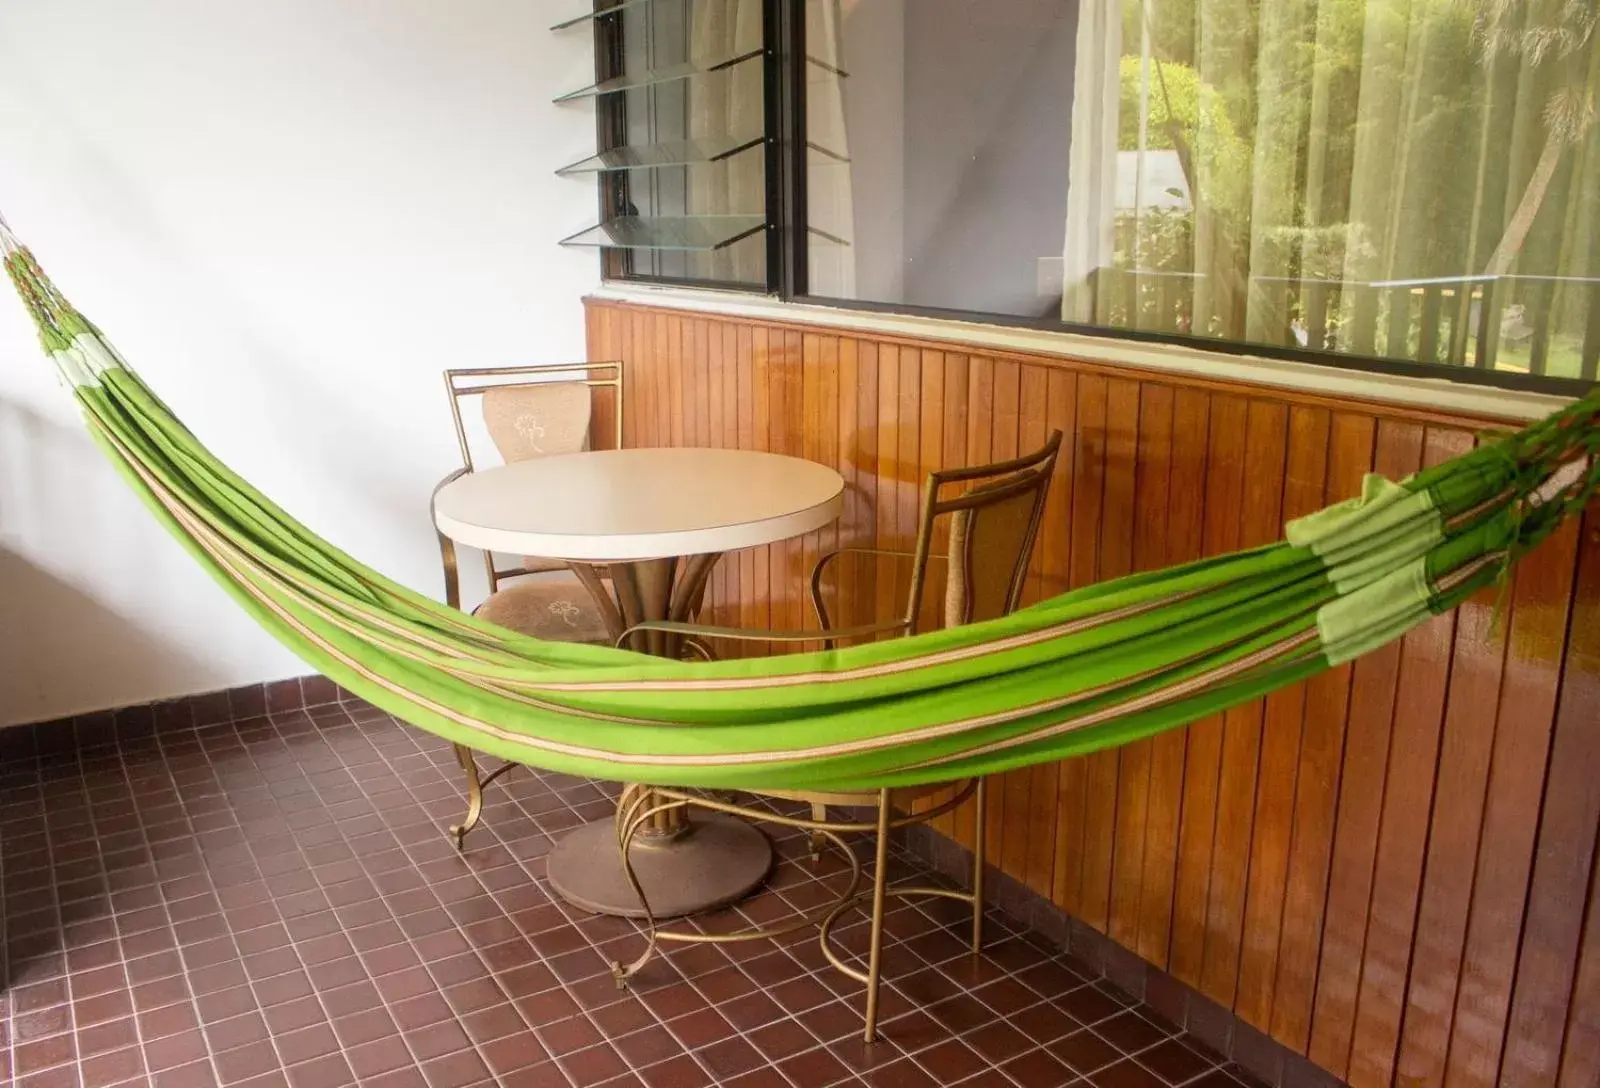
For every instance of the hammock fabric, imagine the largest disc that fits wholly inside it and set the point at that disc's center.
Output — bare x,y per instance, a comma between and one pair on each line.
1087,670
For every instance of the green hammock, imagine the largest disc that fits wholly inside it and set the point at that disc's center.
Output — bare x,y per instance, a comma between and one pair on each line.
1090,669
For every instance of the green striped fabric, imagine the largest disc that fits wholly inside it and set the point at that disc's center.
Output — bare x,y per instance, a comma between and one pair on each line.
1090,669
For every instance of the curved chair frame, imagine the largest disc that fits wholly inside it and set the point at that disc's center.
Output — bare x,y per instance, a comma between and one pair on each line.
640,806
461,384
1029,475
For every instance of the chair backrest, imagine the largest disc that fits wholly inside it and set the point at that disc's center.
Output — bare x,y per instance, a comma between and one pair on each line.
994,523
528,421
535,411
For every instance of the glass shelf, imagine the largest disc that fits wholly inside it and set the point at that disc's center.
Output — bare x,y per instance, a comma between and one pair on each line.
822,156
654,76
656,156
591,16
689,233
818,232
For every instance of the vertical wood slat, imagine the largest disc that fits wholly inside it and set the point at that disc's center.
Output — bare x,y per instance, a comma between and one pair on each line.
1185,527
1305,483
1116,520
1562,871
1266,425
846,459
789,573
1224,497
1008,821
1152,477
930,458
887,537
866,453
1351,441
1026,850
980,448
818,423
760,378
1580,694
733,566
1537,624
906,426
1477,662
1083,557
1045,794
1402,834
1308,873
1374,687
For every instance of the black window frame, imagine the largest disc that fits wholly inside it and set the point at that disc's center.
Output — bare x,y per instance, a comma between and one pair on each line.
784,29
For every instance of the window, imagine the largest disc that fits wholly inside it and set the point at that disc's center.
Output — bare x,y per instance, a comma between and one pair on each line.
1402,184
684,159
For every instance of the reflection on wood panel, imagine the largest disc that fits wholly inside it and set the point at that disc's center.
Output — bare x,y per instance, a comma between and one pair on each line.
1389,868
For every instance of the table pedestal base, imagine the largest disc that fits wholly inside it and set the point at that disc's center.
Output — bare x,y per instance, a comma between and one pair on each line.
685,866
711,862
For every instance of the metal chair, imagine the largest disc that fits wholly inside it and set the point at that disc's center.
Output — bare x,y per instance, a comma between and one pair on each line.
528,412
994,523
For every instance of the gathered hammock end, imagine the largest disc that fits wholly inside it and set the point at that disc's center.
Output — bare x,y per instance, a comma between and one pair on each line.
1090,669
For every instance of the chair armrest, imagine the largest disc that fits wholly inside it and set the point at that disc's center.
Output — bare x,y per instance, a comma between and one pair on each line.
450,479
747,634
822,562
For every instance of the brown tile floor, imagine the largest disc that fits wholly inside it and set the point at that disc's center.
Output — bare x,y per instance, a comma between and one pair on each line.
273,901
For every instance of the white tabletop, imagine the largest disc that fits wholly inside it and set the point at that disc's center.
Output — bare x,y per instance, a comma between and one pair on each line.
639,503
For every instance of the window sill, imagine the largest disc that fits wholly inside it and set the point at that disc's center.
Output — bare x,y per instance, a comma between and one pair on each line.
1437,394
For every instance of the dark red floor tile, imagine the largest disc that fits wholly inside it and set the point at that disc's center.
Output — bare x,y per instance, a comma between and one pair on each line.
511,1053
306,1044
1130,1032
174,1050
1088,1005
331,1071
244,1062
647,1047
782,1039
458,1070
951,1061
700,1029
1126,1074
1174,1062
31,1057
904,1073
730,1057
113,1067
765,1077
814,1068
684,1072
1084,1051
592,1066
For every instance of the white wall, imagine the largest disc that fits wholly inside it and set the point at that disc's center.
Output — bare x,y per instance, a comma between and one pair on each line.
290,216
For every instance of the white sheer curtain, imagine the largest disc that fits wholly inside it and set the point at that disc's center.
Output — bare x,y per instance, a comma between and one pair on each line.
830,209
1380,176
1092,168
728,103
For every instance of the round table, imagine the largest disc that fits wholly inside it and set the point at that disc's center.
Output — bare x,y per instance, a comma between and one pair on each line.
642,529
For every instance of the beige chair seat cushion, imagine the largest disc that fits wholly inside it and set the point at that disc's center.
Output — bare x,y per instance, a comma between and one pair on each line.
554,608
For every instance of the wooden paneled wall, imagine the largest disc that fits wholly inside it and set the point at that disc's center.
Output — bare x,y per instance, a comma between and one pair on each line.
1391,868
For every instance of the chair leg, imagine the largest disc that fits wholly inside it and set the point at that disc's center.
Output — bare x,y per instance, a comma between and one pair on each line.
469,763
981,822
880,885
819,813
